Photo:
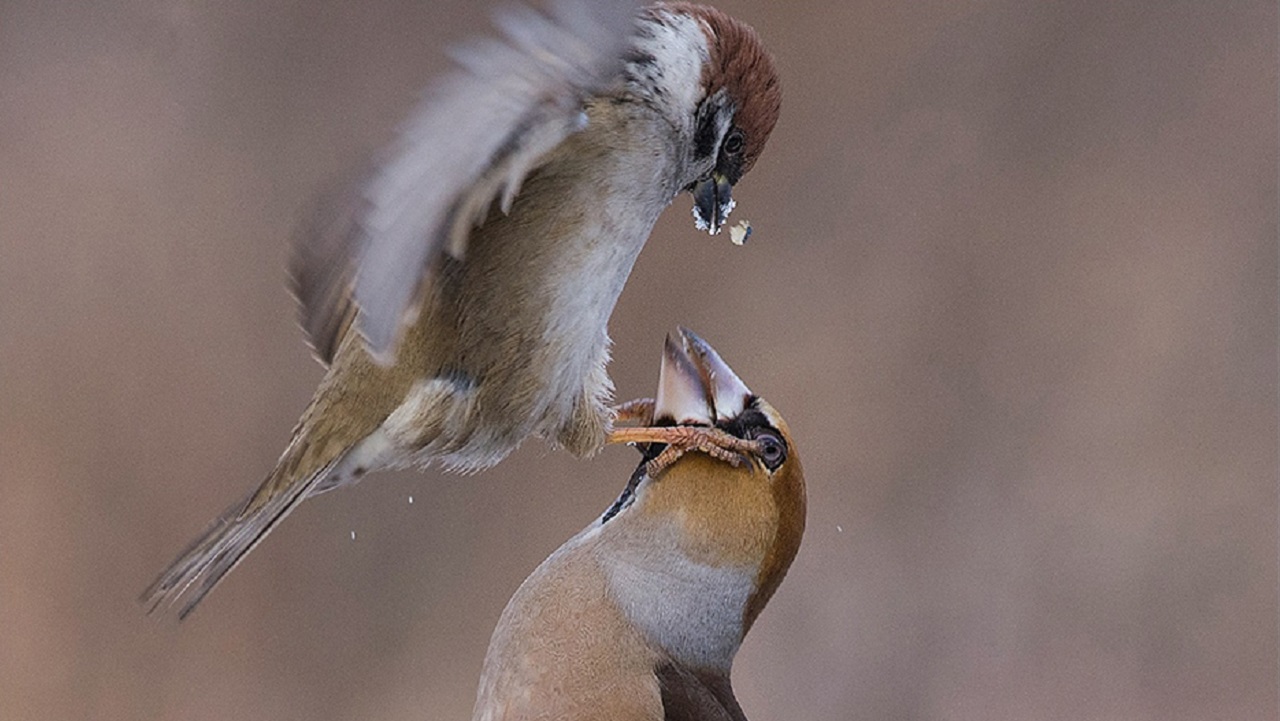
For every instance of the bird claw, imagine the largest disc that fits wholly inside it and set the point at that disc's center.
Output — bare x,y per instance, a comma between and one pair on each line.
683,439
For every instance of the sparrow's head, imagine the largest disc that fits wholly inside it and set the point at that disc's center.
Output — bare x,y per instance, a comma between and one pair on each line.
717,84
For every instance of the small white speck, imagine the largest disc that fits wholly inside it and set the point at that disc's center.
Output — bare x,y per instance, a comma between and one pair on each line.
839,529
410,500
353,535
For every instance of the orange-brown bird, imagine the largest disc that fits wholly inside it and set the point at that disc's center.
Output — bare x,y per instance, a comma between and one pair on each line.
459,296
639,616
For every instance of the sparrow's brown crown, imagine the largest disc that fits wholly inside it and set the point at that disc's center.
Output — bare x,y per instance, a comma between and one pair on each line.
740,64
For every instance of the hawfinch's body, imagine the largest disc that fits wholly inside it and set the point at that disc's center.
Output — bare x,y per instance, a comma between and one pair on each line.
639,616
460,295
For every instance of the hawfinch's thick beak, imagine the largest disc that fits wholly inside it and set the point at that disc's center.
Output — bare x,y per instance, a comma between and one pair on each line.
696,386
712,202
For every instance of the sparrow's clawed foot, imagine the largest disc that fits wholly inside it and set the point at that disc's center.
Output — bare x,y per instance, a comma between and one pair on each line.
697,392
682,439
678,440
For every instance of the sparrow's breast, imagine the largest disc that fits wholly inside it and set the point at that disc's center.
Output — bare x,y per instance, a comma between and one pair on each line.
528,306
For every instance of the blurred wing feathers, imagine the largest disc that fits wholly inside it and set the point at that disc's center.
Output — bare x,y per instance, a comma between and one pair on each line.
322,267
473,139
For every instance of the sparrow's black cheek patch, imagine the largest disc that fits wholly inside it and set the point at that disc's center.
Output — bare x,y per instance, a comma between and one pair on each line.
704,141
707,134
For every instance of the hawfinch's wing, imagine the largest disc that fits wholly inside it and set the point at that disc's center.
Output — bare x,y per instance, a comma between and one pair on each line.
475,136
689,696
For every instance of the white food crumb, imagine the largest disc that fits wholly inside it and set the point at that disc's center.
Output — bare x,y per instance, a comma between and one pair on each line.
353,535
739,233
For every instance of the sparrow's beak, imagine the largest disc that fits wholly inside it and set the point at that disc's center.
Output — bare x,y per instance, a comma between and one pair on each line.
712,202
696,386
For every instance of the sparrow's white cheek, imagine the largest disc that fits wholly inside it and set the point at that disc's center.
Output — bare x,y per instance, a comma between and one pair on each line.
679,47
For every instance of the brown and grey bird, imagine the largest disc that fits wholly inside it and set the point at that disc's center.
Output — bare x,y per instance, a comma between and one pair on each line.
639,616
459,294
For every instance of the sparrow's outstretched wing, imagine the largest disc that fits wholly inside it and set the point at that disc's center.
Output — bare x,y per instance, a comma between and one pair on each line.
476,135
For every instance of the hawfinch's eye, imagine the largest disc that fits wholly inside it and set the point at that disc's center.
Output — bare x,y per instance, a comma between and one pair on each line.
772,451
733,142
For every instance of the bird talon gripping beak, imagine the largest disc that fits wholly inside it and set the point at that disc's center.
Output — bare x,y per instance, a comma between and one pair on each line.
712,202
696,389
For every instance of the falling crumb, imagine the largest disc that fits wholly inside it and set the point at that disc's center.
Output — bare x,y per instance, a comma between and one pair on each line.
739,233
411,500
839,529
353,535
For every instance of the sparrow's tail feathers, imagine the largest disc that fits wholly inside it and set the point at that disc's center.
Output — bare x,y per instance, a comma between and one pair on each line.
226,542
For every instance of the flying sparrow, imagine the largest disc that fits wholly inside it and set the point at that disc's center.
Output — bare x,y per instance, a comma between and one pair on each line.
459,294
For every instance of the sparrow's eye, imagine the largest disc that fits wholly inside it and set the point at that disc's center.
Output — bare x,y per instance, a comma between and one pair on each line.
772,451
733,142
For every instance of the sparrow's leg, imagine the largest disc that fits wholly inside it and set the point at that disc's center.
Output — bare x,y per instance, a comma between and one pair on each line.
639,410
682,439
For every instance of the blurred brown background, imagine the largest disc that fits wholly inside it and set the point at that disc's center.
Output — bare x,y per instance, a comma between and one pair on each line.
1013,282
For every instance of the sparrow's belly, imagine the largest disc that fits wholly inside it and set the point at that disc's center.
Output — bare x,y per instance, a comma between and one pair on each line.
559,387
515,336
528,355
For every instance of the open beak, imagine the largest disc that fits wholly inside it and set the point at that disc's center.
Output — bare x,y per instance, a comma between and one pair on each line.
712,202
696,386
